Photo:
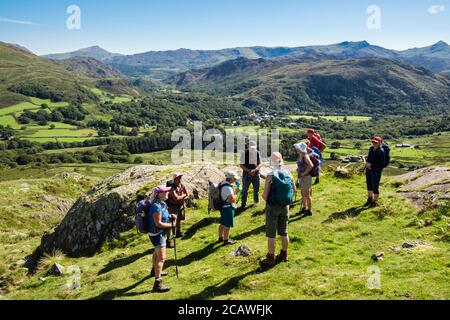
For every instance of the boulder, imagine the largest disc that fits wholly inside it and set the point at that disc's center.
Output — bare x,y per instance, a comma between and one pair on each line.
425,187
105,211
56,270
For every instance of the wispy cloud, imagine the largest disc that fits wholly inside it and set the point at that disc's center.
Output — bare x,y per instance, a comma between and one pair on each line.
6,20
435,9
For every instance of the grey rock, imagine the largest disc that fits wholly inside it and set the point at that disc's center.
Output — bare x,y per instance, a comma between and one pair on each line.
56,270
377,257
107,210
242,251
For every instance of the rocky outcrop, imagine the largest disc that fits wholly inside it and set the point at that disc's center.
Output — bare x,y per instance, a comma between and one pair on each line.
105,211
425,187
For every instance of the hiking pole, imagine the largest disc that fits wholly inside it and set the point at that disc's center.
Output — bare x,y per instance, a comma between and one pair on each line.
175,250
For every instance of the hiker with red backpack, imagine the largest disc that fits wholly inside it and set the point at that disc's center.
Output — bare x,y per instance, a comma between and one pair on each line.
378,159
314,140
159,222
278,193
178,196
307,166
227,206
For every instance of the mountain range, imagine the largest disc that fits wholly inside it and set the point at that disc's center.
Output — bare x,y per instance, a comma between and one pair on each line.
362,85
163,64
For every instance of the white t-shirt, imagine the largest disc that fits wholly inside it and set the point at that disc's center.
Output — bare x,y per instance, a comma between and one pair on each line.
227,191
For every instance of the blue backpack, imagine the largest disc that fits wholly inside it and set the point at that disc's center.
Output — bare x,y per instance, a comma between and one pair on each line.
281,191
317,152
387,154
141,219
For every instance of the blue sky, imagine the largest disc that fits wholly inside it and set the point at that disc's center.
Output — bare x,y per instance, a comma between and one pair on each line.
134,26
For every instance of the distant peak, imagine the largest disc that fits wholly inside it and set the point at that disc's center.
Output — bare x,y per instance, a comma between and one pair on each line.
358,44
440,44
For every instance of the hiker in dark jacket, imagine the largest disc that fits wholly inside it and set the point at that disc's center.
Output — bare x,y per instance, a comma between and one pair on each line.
178,196
159,222
251,165
374,168
277,215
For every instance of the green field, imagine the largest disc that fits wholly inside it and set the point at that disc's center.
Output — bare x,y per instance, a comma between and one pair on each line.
331,118
330,253
18,108
10,121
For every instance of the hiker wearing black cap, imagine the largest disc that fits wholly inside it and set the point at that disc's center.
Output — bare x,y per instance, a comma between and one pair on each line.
375,163
251,165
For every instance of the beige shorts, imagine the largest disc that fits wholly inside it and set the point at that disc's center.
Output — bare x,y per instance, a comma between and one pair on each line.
305,183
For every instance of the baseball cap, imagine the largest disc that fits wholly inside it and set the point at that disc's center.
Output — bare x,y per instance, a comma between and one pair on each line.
177,175
311,131
232,175
377,140
161,189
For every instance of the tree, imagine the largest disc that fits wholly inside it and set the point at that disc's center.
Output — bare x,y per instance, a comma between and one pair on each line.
335,145
52,126
358,145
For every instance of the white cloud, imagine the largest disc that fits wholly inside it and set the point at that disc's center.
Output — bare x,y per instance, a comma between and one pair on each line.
435,9
6,20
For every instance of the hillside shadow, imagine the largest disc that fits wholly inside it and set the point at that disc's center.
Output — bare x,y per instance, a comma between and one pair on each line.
112,294
239,211
349,213
222,288
211,248
206,222
122,262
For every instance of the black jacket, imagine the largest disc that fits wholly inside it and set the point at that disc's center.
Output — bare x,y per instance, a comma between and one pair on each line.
376,159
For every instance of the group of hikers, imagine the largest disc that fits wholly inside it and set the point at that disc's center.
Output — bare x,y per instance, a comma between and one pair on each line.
166,210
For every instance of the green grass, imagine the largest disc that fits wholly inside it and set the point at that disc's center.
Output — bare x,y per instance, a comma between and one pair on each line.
48,102
433,150
329,253
59,133
18,108
9,121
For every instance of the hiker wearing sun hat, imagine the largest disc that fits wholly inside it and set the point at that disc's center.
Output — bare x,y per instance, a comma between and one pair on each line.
178,196
227,211
375,163
305,167
159,222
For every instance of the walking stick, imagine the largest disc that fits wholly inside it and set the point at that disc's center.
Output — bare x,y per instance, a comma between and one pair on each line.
175,250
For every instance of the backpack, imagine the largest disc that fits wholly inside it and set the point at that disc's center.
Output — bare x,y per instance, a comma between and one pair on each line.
141,219
315,159
215,201
387,154
317,152
281,191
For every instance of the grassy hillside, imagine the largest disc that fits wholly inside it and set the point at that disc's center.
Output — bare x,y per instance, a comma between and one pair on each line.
24,73
330,253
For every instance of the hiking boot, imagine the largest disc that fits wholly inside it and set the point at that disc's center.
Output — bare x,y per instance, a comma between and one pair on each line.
229,242
368,203
307,213
282,257
158,287
317,181
179,235
220,240
374,204
163,274
302,212
267,263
